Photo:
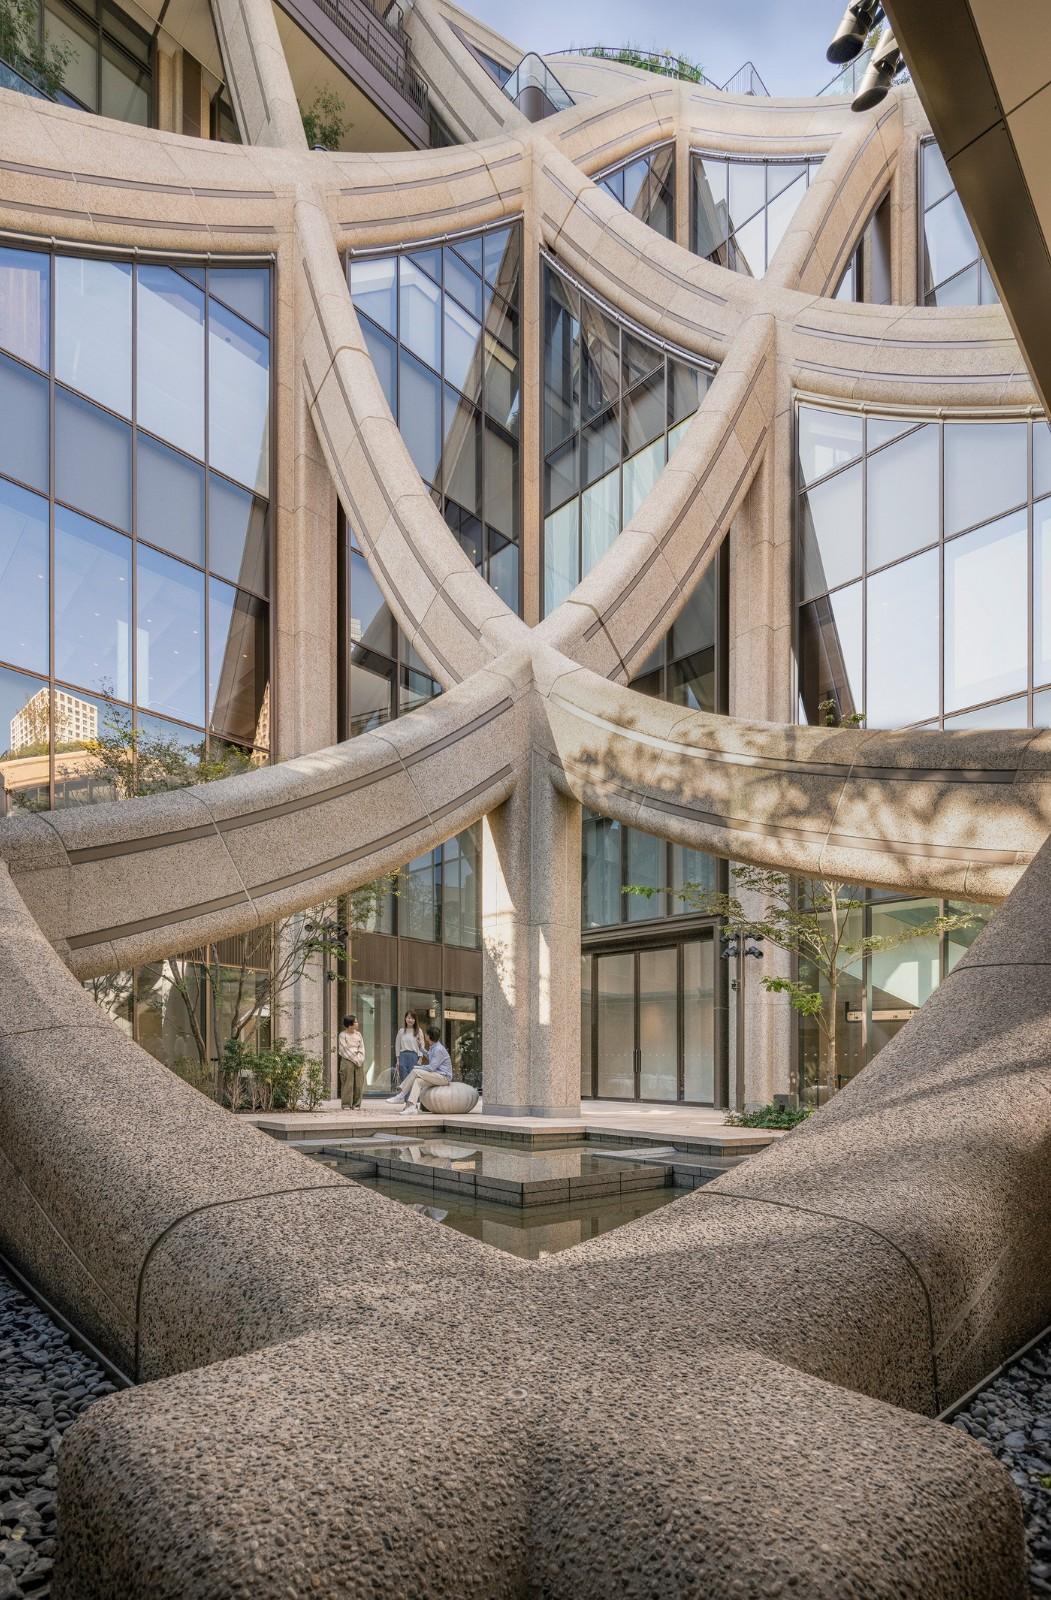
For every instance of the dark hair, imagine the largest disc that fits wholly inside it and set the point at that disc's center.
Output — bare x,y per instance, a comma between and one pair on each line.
434,1032
409,1012
348,1021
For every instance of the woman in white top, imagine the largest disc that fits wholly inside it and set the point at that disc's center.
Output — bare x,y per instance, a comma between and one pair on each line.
408,1046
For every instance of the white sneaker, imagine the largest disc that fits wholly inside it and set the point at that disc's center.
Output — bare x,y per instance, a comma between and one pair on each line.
411,1111
395,1099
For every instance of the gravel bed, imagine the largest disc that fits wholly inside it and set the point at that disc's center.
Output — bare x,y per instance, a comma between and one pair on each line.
45,1385
1012,1417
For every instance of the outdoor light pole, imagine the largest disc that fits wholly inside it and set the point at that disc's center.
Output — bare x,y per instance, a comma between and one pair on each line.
738,947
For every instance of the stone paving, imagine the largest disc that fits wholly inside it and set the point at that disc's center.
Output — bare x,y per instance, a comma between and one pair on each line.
1012,1415
45,1385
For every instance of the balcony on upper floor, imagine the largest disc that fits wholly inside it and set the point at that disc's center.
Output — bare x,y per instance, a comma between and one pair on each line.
364,58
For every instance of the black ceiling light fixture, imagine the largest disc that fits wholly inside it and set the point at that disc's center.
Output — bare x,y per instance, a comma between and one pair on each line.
848,41
884,65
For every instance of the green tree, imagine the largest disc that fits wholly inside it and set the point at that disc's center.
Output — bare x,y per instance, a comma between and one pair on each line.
324,120
812,919
141,761
44,64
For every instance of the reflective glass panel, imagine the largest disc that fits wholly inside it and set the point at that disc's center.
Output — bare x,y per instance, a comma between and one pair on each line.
600,518
747,191
832,532
1005,714
125,87
949,243
92,605
24,743
985,613
238,399
460,280
86,776
962,290
936,180
461,465
371,691
93,329
384,355
238,663
561,555
170,358
238,537
24,568
711,223
903,496
698,1020
64,28
421,328
658,1024
92,459
374,287
780,212
601,867
985,471
462,349
600,358
1042,592
25,435
615,1000
25,277
644,413
169,495
420,416
902,685
1041,459
245,290
827,439
830,648
169,635
640,475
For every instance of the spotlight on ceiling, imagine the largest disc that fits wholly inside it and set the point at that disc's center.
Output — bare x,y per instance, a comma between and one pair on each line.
887,61
859,19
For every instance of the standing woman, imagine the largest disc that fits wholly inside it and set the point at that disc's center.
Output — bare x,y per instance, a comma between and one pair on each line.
408,1046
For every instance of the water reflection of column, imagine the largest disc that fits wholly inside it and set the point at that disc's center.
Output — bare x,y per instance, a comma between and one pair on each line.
531,952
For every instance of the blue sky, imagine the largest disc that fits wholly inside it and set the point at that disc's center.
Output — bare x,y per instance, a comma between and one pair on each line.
785,38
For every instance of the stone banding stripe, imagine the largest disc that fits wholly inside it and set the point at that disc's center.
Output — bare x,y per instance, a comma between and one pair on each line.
159,841
255,891
65,175
456,210
894,848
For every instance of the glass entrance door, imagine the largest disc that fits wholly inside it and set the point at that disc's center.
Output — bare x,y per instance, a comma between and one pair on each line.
648,1022
657,1009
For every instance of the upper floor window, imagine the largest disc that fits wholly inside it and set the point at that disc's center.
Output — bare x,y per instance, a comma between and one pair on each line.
134,515
441,323
616,405
925,569
741,209
645,186
110,60
951,269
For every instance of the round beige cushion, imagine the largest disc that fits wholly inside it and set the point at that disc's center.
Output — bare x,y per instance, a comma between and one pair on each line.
450,1099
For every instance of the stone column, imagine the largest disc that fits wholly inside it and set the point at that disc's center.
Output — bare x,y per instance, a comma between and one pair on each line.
531,952
761,686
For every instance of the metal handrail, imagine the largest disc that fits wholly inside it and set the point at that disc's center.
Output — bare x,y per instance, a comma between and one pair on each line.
382,40
533,74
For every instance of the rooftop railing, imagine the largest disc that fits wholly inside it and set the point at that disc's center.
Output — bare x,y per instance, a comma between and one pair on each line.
745,80
535,90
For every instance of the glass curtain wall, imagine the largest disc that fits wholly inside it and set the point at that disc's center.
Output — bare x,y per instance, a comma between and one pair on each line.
134,514
616,405
649,1007
924,569
868,272
182,1010
645,186
741,209
441,323
878,993
110,64
952,272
